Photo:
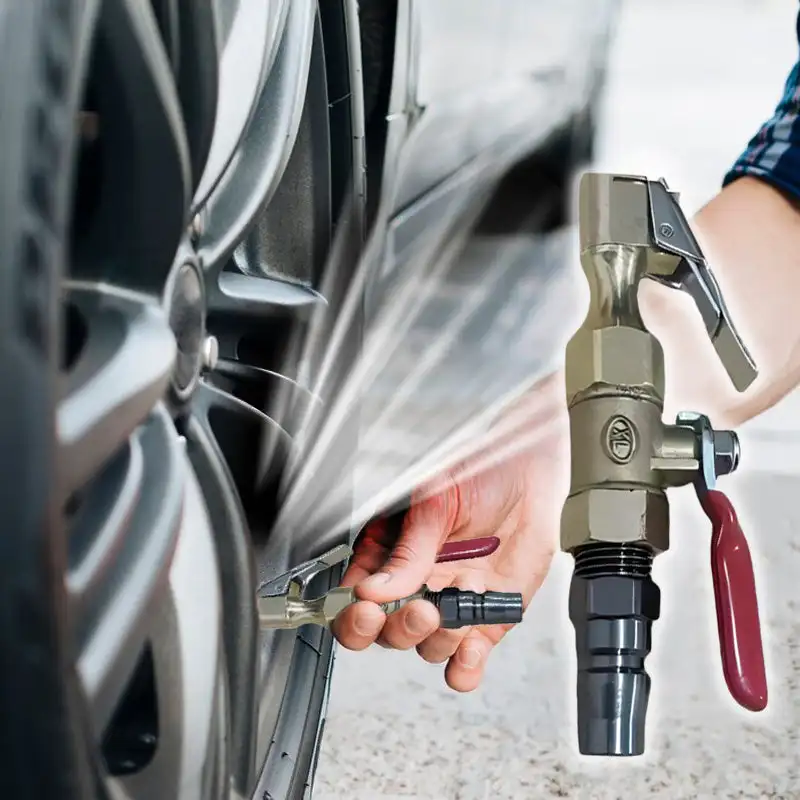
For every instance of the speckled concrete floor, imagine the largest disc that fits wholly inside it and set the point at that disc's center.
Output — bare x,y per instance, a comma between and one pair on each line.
395,731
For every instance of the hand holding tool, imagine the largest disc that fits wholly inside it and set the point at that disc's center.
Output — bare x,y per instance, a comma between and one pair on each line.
281,603
616,517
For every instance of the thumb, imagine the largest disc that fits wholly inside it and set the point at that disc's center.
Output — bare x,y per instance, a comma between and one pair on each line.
427,524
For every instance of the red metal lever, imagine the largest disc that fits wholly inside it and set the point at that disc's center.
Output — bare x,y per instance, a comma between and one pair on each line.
378,533
737,604
468,548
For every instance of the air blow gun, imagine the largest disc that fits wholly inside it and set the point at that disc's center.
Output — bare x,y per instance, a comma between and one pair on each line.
624,458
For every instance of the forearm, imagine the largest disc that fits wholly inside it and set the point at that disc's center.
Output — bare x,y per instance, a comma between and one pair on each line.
750,234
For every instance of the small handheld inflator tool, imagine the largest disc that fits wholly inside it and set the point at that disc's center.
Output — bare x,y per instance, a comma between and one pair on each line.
282,603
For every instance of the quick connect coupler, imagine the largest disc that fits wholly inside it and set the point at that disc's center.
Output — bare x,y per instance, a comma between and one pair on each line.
616,517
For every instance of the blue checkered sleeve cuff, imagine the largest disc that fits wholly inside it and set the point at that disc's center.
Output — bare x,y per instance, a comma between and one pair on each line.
773,154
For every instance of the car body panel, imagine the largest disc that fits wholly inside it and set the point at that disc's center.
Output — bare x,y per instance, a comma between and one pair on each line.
466,78
458,50
545,36
474,91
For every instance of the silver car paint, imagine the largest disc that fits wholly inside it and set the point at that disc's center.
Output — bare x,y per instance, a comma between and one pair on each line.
467,76
475,90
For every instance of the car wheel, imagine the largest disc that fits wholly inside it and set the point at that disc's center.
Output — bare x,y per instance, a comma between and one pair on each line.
172,178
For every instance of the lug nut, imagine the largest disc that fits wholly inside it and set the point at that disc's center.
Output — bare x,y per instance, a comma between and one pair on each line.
197,226
210,352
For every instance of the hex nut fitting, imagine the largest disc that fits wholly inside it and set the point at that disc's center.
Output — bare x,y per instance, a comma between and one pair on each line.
618,356
619,516
727,452
336,601
612,596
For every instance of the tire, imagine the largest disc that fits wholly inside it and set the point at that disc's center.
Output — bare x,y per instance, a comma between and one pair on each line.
157,292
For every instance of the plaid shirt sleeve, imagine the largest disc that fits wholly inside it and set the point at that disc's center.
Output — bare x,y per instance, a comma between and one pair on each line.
773,154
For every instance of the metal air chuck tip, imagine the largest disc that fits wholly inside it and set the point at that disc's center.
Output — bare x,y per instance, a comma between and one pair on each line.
612,604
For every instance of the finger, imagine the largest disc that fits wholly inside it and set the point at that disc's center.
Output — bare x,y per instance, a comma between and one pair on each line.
354,574
369,553
426,526
465,669
441,645
407,627
381,532
359,625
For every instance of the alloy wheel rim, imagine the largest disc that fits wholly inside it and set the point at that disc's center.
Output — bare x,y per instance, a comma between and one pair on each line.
140,467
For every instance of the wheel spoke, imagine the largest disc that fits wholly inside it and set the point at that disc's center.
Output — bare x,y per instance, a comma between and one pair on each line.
118,580
263,155
254,32
166,13
121,373
139,211
99,531
198,74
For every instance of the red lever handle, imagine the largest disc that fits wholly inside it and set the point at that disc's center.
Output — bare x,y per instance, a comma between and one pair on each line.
737,604
378,532
468,548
